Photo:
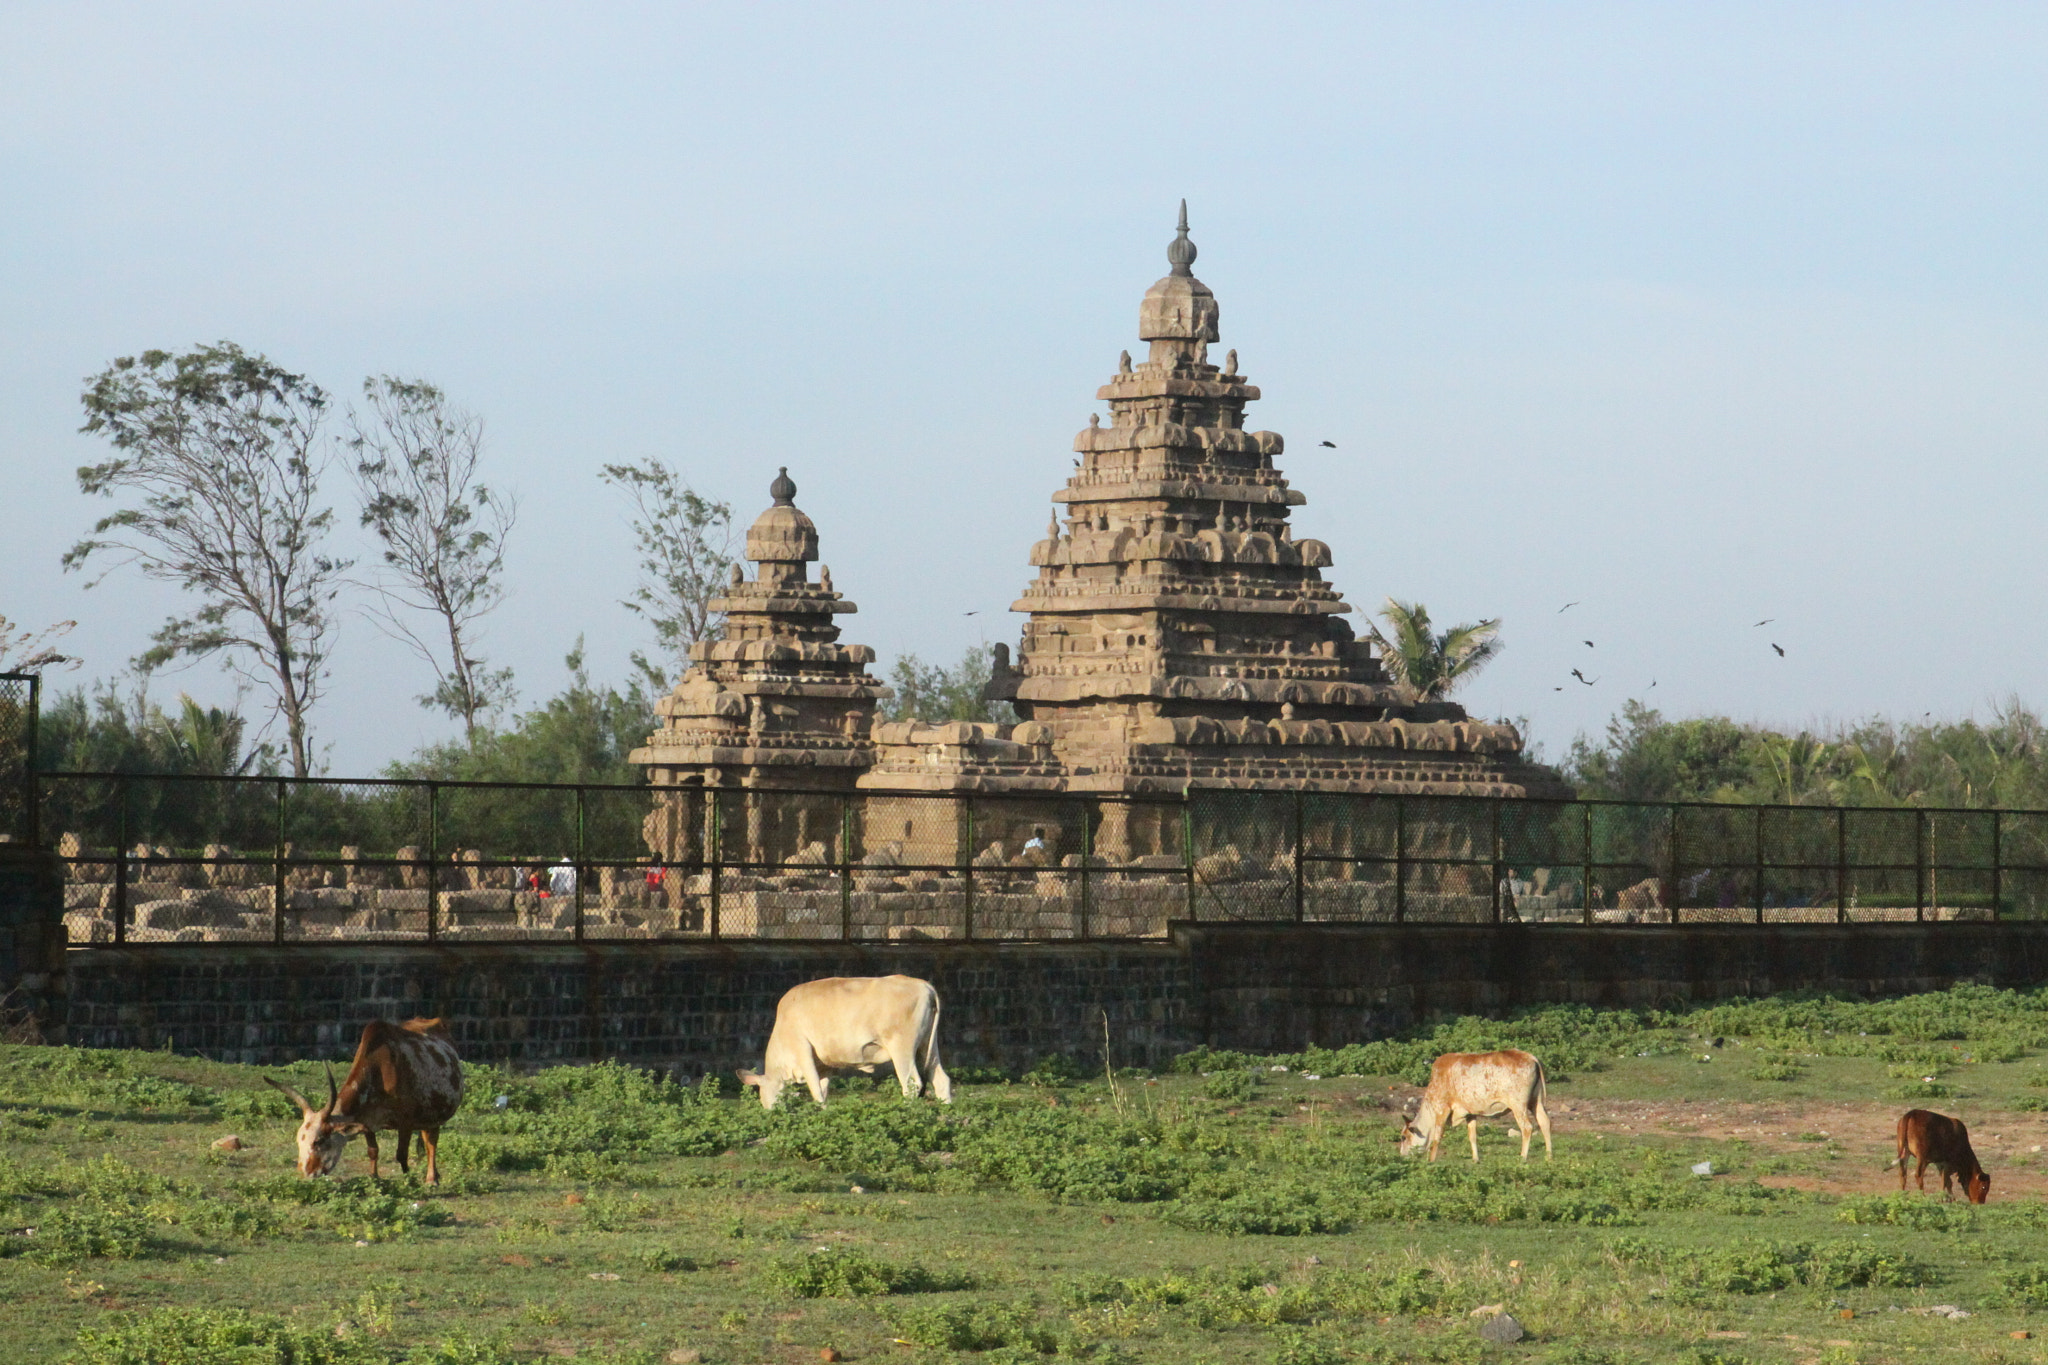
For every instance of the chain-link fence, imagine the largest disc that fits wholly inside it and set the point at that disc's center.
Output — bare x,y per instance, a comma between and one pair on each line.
271,859
19,695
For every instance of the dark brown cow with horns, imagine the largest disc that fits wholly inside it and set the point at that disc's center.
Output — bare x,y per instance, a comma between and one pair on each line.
405,1076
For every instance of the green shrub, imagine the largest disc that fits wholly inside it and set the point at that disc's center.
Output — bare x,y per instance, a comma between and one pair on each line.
1775,1069
66,1236
847,1273
2024,1287
1274,1213
972,1327
1299,1347
1859,1265
1918,1090
1232,1087
218,1336
666,1259
1906,1211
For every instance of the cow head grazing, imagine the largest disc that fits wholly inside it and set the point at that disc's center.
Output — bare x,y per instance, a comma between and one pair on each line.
1413,1137
1977,1185
769,1087
322,1133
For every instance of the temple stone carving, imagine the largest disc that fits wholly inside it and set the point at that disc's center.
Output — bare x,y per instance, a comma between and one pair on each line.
1178,636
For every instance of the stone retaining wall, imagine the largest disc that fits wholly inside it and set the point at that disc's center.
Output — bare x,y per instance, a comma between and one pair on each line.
693,1007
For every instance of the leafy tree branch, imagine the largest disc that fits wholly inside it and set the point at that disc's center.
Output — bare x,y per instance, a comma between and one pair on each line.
221,453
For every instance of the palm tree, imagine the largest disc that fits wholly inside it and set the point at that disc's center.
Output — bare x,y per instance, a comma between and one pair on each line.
1425,665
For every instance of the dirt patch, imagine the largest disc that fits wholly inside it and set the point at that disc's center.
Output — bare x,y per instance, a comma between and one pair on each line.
1866,1134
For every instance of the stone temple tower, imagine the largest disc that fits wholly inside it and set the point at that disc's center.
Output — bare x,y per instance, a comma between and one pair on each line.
777,701
1179,634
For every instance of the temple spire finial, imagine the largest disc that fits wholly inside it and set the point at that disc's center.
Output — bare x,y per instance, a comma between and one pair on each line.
783,490
1181,253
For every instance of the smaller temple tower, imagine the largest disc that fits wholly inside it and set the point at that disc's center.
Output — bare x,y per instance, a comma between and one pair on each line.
775,702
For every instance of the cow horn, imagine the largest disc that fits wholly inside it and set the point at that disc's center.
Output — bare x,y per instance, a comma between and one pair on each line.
333,1092
294,1096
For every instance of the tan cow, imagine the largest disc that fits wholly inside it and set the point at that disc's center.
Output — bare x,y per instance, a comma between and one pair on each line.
853,1023
1465,1087
405,1076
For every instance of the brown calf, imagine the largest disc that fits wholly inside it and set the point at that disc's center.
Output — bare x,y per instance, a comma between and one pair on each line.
405,1076
1945,1142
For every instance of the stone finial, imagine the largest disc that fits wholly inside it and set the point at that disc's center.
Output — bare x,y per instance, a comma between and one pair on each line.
1123,364
1230,362
1052,525
739,575
783,490
1094,420
1180,254
825,577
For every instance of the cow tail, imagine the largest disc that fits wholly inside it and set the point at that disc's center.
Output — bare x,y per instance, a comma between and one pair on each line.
928,1046
1542,1088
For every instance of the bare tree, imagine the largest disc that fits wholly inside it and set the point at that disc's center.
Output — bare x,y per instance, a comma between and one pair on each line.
223,452
685,544
443,536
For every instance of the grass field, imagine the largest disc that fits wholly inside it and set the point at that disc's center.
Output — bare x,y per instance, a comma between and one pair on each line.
1227,1211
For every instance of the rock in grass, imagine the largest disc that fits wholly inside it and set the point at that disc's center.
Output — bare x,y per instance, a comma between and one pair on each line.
1488,1310
1502,1328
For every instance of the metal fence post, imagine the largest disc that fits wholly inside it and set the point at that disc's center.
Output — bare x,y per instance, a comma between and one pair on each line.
1997,863
1400,860
1586,872
1087,856
277,892
433,861
1677,887
1919,867
845,868
964,833
1494,806
1300,872
581,870
30,778
1759,865
121,864
717,855
1187,848
1841,865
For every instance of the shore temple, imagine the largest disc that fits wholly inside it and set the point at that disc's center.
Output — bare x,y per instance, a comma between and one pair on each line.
1177,635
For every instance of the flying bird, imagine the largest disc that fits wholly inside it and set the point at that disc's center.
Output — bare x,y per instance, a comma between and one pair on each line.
1589,644
1766,621
1557,689
971,613
1566,607
1331,444
1583,678
1780,648
1653,683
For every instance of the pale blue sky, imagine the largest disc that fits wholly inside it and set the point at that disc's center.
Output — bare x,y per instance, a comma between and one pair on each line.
1696,314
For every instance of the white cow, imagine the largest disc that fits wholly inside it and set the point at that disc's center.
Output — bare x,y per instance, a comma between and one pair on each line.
853,1023
1465,1087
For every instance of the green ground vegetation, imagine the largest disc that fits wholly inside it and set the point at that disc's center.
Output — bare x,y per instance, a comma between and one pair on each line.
1224,1211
